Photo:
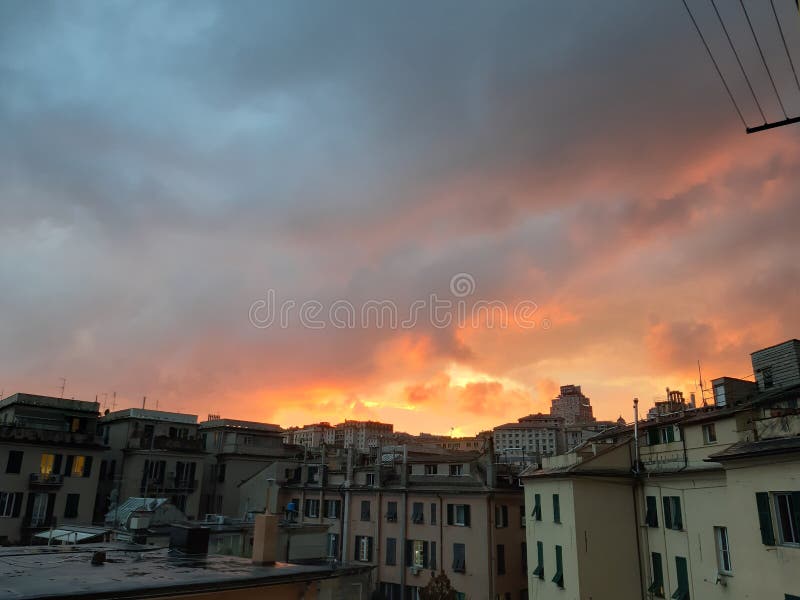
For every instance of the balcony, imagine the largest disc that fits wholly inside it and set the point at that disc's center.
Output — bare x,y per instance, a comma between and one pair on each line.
13,433
47,480
163,442
42,522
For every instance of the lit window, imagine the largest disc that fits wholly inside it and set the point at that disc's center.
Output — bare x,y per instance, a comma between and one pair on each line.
78,464
46,466
418,556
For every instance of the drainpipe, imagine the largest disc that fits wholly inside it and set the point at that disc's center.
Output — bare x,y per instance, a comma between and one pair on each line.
346,509
636,436
404,522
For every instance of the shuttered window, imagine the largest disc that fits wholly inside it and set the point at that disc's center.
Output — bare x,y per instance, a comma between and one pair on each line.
558,578
657,584
539,570
681,568
651,517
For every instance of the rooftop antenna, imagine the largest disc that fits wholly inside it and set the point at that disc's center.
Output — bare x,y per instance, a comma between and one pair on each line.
702,391
63,386
144,401
114,401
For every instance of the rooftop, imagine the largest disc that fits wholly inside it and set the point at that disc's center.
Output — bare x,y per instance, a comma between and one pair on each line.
136,572
760,448
50,402
151,415
242,425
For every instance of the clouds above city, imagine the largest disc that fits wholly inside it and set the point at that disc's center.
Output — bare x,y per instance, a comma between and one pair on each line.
163,165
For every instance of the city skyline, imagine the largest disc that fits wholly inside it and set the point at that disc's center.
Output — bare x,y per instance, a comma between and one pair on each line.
163,169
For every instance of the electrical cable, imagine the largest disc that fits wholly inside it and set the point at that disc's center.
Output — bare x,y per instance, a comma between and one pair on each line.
738,60
716,66
763,60
785,47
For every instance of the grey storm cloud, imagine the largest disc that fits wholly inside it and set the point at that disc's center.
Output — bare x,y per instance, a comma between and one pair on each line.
163,163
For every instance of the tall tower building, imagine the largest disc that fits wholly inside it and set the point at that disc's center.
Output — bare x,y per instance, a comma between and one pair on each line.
572,405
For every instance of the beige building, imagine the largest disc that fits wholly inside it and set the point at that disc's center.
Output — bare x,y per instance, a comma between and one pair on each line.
235,451
152,454
49,456
530,437
713,494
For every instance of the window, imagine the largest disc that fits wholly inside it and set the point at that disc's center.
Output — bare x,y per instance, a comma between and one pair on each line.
651,517
363,548
556,509
370,478
311,509
537,507
667,434
459,558
787,509
417,515
458,514
10,504
432,557
501,516
558,578
672,513
419,552
81,466
456,470
539,570
14,464
709,433
524,555
71,509
433,513
365,510
333,545
431,469
501,559
391,551
46,464
332,509
723,550
391,512
657,585
682,593
766,377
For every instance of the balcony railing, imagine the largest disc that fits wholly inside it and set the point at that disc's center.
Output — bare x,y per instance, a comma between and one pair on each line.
163,442
39,522
31,434
46,479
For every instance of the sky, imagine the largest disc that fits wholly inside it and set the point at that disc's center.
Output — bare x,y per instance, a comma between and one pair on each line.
165,167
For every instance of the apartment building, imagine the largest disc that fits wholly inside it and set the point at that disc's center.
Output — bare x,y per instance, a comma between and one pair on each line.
350,434
530,437
49,453
235,451
311,436
712,494
572,405
153,454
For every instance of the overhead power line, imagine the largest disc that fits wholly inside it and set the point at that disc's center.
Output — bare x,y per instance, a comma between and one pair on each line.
776,78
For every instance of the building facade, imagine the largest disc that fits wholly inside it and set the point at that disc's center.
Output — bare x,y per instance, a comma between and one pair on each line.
49,455
153,454
572,405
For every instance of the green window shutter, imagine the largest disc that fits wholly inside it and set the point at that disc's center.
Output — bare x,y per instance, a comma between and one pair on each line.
651,518
432,557
539,571
682,593
556,509
537,507
652,437
670,433
677,519
466,515
765,519
657,586
667,513
558,578
450,513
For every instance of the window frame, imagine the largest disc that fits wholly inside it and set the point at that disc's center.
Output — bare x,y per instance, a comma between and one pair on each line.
709,434
723,545
791,519
657,584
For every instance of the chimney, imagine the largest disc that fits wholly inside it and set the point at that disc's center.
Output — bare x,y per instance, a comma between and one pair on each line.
265,539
